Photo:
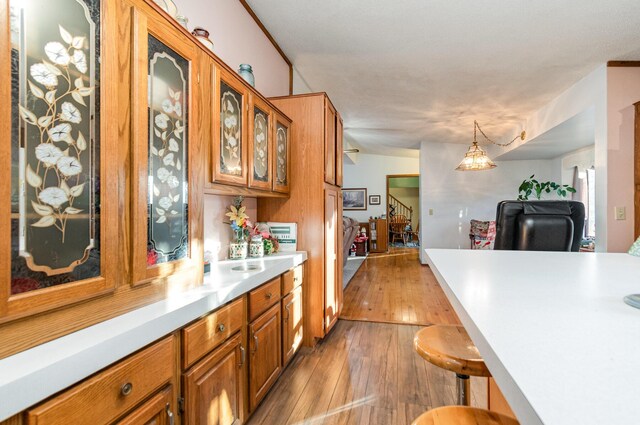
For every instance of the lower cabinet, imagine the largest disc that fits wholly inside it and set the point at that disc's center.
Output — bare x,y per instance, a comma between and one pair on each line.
291,324
213,388
158,410
265,361
222,383
121,389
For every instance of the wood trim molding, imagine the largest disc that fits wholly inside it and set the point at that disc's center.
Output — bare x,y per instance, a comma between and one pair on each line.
623,63
271,39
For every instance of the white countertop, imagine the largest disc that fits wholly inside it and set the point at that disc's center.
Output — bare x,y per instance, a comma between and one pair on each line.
552,328
33,375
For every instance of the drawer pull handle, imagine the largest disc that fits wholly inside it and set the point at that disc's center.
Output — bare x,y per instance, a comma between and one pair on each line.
126,389
255,343
269,295
169,414
221,327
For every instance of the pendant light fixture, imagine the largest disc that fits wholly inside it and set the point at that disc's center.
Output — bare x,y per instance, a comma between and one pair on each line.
476,158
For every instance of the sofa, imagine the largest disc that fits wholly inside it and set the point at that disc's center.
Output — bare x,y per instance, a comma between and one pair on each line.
350,228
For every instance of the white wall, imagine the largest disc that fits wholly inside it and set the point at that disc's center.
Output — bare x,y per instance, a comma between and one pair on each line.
370,171
238,39
456,197
623,90
582,158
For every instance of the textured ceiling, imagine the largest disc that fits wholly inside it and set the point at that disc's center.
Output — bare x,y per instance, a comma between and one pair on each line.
402,71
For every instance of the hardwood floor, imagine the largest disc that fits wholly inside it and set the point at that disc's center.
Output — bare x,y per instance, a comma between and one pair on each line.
366,371
362,373
395,288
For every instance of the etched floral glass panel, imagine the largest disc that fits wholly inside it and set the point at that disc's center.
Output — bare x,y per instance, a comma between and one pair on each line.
168,223
55,168
260,145
282,134
230,131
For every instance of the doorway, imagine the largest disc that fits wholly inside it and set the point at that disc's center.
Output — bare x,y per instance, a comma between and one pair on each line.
403,199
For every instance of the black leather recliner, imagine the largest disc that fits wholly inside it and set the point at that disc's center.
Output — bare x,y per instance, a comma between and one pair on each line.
539,225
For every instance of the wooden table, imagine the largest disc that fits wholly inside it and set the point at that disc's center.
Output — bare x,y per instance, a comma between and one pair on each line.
552,329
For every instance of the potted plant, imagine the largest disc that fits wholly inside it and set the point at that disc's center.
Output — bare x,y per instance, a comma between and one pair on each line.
535,188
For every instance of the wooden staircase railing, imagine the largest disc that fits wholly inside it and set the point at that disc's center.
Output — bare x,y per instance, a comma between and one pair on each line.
396,207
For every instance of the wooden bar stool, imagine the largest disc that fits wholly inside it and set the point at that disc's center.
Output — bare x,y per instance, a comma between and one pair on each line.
463,415
449,347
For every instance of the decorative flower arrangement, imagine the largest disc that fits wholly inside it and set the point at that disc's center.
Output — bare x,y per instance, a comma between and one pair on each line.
239,220
270,243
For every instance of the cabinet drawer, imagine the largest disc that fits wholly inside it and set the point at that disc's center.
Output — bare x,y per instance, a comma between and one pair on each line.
111,393
207,333
264,297
292,279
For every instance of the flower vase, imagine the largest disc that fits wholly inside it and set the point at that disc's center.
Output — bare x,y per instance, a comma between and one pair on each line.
238,247
256,247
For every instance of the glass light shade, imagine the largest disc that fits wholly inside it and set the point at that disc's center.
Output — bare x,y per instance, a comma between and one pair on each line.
476,159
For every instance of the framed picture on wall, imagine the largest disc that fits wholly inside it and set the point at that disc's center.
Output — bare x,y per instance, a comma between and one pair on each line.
354,199
374,199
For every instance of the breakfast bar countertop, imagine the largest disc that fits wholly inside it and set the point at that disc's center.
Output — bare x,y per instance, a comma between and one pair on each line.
552,328
28,377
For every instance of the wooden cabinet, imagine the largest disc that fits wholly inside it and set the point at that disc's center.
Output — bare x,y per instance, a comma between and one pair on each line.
329,143
379,235
282,154
229,143
332,267
339,150
260,146
207,333
58,206
265,361
163,191
306,206
113,392
292,331
214,388
264,297
158,410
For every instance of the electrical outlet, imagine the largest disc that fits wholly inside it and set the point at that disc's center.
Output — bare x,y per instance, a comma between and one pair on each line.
621,213
430,211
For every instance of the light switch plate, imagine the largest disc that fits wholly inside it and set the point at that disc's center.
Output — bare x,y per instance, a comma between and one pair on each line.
621,213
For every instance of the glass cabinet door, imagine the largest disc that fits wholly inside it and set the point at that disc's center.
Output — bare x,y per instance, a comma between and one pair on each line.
282,154
58,215
259,146
162,194
229,129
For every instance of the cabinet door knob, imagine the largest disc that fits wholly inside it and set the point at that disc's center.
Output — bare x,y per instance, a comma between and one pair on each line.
221,327
126,389
269,295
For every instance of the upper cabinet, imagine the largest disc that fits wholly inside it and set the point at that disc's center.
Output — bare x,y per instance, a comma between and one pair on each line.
166,88
58,218
329,142
260,144
282,154
230,105
339,149
333,145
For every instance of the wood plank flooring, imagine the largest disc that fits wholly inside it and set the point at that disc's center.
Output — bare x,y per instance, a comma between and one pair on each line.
362,373
395,288
366,371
